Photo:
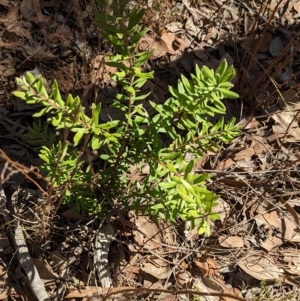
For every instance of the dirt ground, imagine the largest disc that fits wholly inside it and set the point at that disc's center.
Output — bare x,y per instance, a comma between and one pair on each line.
253,252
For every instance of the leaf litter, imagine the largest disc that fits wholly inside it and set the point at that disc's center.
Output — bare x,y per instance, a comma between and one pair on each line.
256,177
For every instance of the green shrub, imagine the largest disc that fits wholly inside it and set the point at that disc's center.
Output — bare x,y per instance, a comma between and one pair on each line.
171,190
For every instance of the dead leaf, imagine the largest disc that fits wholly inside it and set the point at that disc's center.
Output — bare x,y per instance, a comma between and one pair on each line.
27,10
256,148
39,51
43,270
231,241
224,165
183,279
191,28
167,43
199,283
260,267
207,266
5,3
287,125
280,230
296,6
174,26
13,23
291,210
57,260
290,101
157,268
7,67
100,71
147,233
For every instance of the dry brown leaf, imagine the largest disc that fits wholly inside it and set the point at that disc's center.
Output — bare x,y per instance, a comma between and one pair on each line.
147,233
199,52
284,227
191,28
148,43
57,260
290,101
212,284
183,278
96,291
296,238
157,268
174,26
260,267
233,182
292,258
136,174
100,71
246,164
231,241
5,3
39,51
27,10
13,23
256,148
287,125
44,270
207,266
167,43
296,6
223,209
168,298
291,210
224,165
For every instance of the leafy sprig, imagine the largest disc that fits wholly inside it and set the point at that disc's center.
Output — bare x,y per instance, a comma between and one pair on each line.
172,189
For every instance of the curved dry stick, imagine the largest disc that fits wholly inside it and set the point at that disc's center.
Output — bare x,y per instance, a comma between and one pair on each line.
28,266
105,293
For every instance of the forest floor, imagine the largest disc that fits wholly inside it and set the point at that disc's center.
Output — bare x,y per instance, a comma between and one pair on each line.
252,253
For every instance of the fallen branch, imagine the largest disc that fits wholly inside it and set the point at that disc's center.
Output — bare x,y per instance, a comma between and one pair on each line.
106,293
28,266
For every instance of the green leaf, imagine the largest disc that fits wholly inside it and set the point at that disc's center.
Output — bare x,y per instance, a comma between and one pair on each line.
189,168
56,120
182,192
134,18
29,78
95,113
20,94
41,112
187,84
171,167
222,68
208,73
78,136
104,157
214,216
44,158
188,187
167,185
229,94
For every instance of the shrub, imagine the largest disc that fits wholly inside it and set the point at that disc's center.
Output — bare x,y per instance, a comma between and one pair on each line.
171,190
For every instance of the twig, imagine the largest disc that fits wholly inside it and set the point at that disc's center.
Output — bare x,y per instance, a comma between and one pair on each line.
29,268
107,293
